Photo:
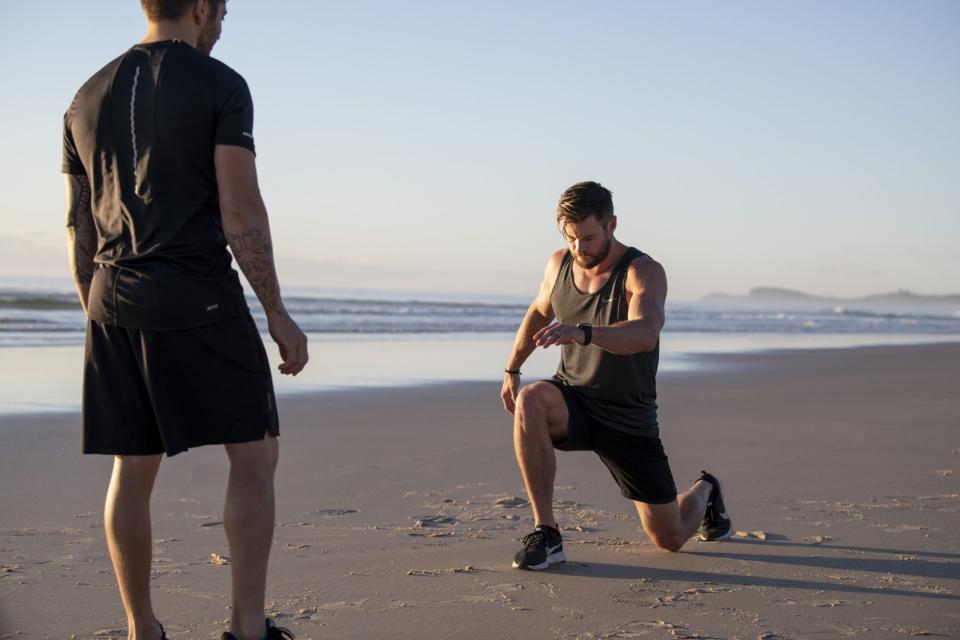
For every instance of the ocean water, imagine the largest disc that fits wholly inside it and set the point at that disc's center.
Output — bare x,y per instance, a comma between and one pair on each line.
34,317
386,339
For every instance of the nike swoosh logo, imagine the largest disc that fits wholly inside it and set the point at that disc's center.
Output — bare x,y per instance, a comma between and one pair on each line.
552,549
723,515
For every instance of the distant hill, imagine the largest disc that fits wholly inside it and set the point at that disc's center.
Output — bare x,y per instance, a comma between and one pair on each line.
899,301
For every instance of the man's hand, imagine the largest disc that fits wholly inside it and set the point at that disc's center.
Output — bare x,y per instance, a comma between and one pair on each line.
291,340
508,393
557,333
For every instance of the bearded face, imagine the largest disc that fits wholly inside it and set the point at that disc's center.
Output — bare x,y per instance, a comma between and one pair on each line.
589,241
588,260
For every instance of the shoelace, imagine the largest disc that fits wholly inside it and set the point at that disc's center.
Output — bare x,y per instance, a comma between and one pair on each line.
534,537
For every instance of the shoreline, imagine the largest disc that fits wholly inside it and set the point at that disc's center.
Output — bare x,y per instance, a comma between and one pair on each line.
50,383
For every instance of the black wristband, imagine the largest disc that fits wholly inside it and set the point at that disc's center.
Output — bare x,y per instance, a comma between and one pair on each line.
587,329
513,372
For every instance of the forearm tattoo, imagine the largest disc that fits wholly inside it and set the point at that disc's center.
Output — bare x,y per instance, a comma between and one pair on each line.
253,252
81,232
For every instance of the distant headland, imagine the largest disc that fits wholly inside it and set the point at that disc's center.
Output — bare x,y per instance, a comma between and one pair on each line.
898,301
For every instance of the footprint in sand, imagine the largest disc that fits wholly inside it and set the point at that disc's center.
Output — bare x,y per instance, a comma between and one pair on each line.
433,573
511,503
333,513
429,522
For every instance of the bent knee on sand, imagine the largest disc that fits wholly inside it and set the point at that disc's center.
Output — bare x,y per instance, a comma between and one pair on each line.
663,525
671,542
541,405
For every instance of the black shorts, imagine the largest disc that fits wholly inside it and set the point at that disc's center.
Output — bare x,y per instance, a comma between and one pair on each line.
637,463
148,392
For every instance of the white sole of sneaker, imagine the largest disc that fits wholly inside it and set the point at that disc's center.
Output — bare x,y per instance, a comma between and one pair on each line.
553,558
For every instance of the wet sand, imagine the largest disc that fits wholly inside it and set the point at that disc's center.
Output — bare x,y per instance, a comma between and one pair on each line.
399,511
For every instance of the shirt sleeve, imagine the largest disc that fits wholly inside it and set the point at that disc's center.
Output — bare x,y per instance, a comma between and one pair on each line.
71,159
235,117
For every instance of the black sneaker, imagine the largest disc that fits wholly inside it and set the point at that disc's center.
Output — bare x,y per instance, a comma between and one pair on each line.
716,524
277,633
273,633
541,548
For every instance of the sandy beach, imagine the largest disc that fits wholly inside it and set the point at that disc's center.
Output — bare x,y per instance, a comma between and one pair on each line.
399,511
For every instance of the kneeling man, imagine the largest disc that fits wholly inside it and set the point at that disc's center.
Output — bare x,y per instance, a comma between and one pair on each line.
608,301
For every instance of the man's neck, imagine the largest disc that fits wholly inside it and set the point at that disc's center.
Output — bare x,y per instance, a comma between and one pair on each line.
160,31
617,249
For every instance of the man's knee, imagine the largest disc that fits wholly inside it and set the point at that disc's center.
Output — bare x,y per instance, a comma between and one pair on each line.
256,458
668,541
533,403
663,525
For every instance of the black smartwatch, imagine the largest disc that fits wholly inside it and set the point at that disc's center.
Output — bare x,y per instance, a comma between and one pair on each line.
587,329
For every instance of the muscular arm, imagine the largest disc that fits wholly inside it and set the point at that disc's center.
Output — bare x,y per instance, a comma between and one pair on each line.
647,286
245,224
537,317
81,235
247,229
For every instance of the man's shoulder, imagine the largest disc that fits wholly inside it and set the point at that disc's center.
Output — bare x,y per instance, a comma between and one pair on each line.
223,70
213,72
644,266
556,261
99,82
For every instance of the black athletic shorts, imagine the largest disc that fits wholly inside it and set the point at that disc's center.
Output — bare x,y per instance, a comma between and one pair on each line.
148,392
637,463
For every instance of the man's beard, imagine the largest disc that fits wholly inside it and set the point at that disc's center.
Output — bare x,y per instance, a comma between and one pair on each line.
208,35
590,261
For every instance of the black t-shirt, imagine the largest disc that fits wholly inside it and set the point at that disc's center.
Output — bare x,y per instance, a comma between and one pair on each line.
143,130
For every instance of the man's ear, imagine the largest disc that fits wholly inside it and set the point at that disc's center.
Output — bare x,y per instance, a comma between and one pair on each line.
612,224
199,12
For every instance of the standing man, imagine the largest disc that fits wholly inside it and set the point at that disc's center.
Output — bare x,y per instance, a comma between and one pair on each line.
609,302
159,156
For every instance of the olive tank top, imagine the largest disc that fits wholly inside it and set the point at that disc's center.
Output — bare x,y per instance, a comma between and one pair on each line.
617,390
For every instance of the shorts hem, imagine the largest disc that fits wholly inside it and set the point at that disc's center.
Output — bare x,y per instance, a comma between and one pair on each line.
638,498
108,451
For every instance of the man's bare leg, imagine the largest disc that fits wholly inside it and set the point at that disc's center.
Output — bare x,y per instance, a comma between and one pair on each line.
540,417
248,518
671,525
127,523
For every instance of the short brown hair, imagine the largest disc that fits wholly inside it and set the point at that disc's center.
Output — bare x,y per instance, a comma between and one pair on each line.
583,200
158,10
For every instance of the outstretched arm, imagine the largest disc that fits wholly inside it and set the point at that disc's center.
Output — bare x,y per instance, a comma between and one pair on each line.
247,229
81,235
538,316
647,287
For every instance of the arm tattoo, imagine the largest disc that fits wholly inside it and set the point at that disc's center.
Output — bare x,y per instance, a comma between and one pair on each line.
81,232
253,252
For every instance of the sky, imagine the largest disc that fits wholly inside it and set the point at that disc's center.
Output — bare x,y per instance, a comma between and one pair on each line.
422,146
